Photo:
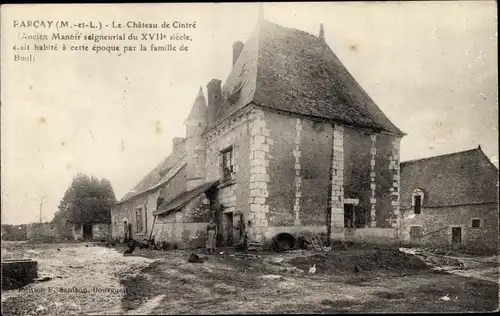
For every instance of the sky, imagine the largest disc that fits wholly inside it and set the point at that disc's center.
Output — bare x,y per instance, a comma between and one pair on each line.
430,66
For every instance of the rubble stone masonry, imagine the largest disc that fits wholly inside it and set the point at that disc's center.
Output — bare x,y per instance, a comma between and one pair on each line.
232,195
436,225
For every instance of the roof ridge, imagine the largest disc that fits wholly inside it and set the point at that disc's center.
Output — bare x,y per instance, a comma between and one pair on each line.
442,156
134,192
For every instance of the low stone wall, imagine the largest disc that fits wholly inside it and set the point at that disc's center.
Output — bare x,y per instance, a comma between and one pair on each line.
382,236
41,231
184,235
14,232
270,232
100,231
77,232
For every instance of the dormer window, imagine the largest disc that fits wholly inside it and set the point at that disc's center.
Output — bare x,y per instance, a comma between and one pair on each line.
227,165
417,201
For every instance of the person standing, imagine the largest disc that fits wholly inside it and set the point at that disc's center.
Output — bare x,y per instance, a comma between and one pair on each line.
243,242
211,236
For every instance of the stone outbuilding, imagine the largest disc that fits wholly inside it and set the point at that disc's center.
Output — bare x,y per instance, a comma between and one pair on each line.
450,200
90,232
289,143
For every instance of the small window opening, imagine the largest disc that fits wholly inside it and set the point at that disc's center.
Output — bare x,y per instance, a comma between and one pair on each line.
227,165
417,208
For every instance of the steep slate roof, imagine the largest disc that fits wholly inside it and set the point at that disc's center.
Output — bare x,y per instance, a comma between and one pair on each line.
294,71
460,178
184,198
158,175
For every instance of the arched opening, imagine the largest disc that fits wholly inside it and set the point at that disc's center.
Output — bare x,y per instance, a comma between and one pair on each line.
284,241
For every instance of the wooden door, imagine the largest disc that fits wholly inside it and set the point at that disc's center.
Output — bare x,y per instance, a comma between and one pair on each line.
348,215
415,233
229,229
456,235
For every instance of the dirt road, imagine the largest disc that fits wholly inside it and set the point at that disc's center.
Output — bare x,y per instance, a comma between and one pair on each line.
83,280
352,280
477,267
344,281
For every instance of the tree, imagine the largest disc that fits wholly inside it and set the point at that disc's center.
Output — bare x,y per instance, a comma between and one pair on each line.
87,201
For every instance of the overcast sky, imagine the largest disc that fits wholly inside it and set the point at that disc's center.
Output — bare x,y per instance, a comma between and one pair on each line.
431,67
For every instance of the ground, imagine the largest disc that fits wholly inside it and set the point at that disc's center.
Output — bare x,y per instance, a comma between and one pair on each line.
163,282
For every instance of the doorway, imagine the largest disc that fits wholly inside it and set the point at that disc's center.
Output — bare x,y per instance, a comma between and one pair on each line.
415,233
216,211
229,228
456,235
349,215
87,232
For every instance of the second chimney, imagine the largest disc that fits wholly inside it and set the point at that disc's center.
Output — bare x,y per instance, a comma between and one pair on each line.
237,48
214,93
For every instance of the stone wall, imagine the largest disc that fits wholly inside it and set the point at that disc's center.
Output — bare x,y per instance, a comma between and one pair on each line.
185,228
371,175
383,171
438,222
283,163
41,231
233,196
126,211
14,232
291,181
315,166
100,231
359,172
77,231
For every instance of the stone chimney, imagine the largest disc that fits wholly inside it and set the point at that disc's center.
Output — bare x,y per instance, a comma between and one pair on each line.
176,142
237,48
214,92
321,32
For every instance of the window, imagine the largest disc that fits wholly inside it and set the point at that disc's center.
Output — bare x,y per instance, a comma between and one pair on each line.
417,208
417,201
476,223
227,165
138,221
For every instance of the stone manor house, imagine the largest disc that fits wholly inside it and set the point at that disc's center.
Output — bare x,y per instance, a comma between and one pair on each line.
290,143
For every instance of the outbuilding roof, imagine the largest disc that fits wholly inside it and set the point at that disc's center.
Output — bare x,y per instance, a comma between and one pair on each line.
184,198
461,178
